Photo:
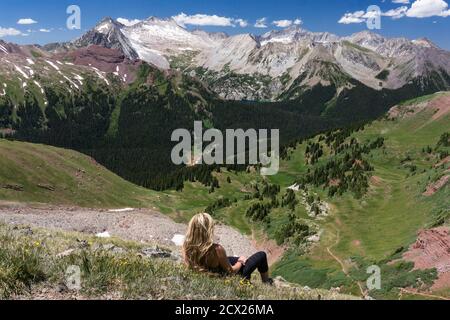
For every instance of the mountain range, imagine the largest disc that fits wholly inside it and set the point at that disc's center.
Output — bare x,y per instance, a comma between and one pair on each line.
119,91
276,66
364,169
266,67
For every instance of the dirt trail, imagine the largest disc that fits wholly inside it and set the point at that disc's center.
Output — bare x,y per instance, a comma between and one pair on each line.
142,225
407,291
341,263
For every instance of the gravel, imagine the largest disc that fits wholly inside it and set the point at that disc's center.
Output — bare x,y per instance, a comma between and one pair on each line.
142,225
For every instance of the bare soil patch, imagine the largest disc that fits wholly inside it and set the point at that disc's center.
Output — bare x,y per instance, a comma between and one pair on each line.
273,250
444,161
436,186
375,180
441,105
432,250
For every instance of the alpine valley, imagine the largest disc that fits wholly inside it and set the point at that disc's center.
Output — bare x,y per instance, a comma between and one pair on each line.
364,125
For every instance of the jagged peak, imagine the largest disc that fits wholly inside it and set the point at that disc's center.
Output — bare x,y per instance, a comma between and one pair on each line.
246,36
366,34
106,19
106,24
218,35
152,20
297,33
288,30
425,42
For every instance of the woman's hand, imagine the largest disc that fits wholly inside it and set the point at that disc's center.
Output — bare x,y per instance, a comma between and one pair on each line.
242,260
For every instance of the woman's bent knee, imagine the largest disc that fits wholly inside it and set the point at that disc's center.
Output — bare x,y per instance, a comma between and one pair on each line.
262,255
263,265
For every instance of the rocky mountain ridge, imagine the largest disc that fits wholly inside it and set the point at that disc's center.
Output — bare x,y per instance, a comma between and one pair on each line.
264,67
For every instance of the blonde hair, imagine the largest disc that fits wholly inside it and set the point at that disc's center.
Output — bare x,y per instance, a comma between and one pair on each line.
199,241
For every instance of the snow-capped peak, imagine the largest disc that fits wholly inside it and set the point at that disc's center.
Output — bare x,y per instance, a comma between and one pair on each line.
106,25
424,42
296,33
367,39
161,21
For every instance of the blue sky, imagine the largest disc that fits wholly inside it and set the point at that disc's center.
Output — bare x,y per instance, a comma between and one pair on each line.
413,18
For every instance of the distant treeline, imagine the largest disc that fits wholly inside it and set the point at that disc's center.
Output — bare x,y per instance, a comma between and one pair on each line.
128,130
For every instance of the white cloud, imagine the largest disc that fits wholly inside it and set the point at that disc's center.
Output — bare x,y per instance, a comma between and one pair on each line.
428,8
203,20
397,13
418,9
26,21
282,23
128,22
45,30
261,23
242,23
355,17
287,23
5,32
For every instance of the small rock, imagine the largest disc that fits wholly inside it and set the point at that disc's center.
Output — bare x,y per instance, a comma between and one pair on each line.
175,256
46,186
171,279
65,253
118,250
15,187
156,253
335,290
178,239
103,235
62,288
82,244
27,231
107,247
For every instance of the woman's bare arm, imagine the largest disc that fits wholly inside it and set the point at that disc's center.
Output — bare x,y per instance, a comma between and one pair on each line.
224,263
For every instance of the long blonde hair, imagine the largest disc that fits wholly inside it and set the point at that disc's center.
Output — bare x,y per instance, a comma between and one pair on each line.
199,241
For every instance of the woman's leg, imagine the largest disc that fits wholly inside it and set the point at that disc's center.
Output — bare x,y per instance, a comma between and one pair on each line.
257,261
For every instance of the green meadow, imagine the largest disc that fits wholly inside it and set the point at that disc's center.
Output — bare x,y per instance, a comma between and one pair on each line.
357,232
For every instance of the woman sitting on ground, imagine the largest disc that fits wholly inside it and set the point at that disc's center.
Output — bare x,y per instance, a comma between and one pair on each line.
202,254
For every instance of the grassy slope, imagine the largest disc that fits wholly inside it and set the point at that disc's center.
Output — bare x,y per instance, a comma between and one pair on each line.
371,228
29,260
388,217
76,178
